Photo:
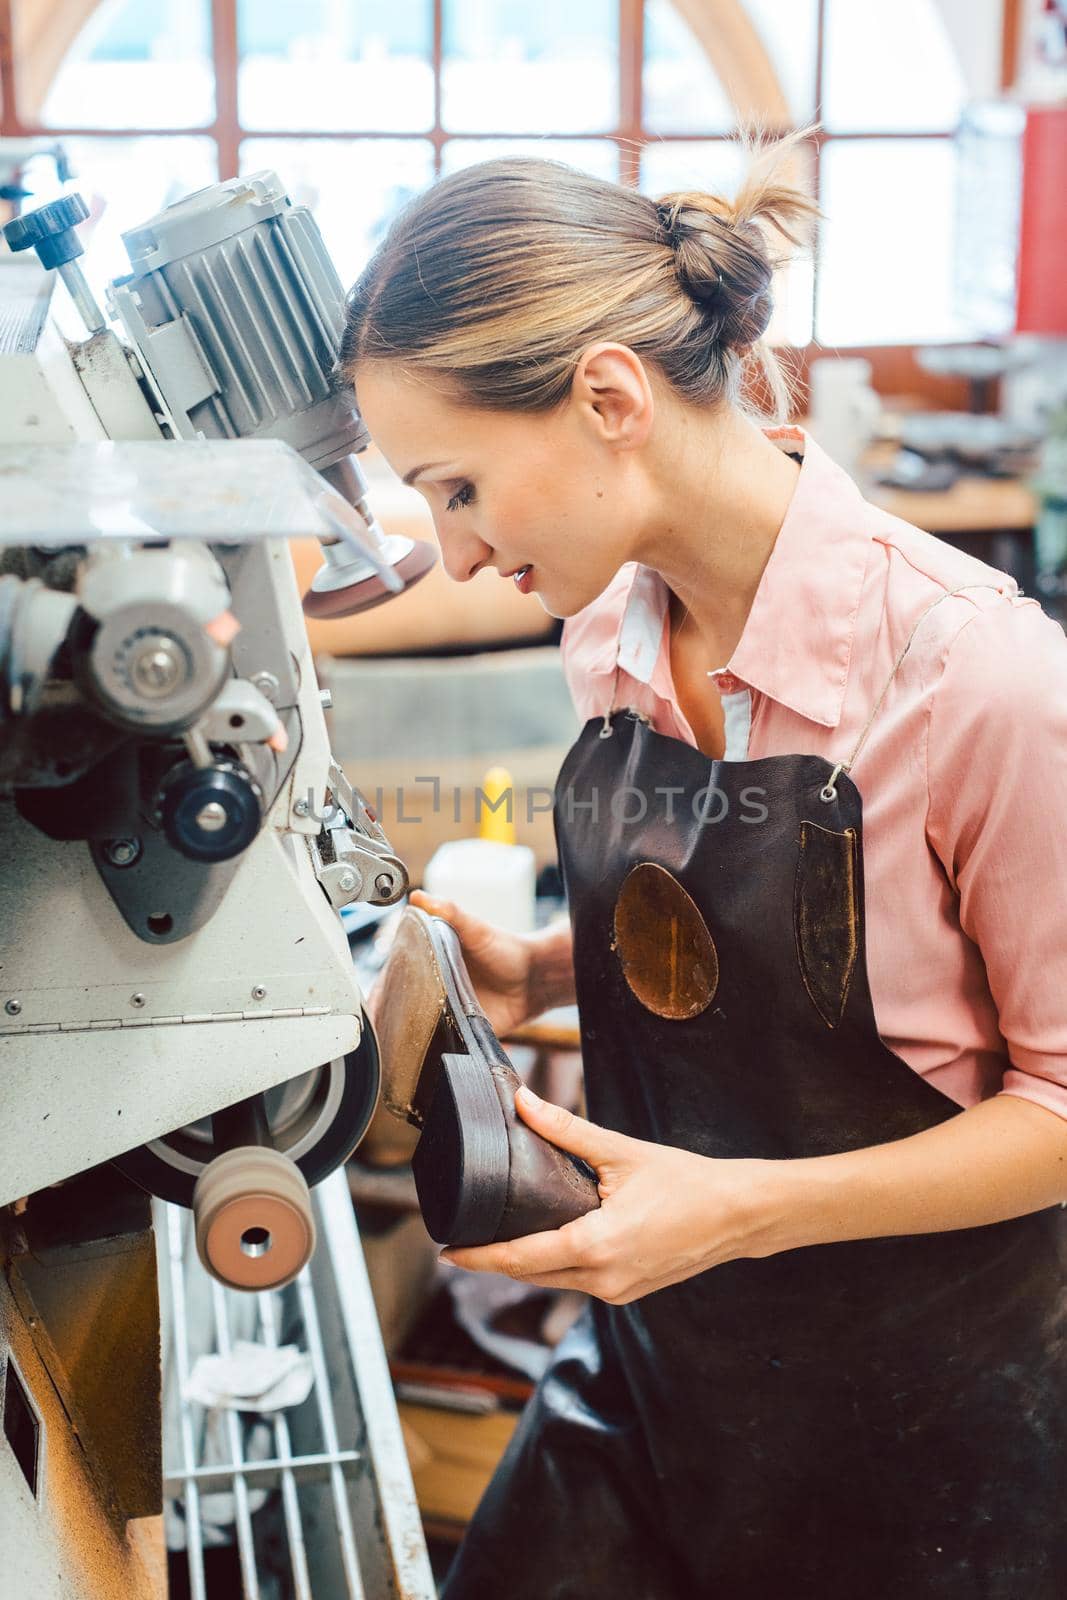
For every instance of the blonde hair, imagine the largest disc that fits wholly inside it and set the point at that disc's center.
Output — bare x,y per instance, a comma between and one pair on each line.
493,281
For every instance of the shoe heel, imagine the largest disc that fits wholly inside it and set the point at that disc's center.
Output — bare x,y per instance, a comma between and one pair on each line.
462,1162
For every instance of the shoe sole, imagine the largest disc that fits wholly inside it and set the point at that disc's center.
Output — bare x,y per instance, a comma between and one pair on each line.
440,1081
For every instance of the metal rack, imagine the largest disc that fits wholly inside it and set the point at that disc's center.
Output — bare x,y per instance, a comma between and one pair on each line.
341,1506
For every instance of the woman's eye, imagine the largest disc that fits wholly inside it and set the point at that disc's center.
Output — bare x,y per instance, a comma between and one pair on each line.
462,498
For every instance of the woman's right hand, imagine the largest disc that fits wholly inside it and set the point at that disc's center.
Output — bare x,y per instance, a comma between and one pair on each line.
498,962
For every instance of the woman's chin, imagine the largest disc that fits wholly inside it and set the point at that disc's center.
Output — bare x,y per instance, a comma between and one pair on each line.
566,600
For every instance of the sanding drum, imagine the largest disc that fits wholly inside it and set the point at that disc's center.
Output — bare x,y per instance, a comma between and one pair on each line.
252,1206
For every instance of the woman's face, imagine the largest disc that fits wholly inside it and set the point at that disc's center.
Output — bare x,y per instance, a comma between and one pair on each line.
511,489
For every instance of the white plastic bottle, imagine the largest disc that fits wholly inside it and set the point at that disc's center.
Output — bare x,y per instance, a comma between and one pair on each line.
492,877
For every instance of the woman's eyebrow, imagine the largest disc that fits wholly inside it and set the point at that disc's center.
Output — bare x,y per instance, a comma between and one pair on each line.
427,466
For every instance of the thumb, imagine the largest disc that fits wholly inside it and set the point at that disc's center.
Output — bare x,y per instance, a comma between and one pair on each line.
561,1127
474,934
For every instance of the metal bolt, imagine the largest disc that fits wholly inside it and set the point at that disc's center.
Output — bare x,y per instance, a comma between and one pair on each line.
326,699
157,667
267,684
301,808
346,881
122,852
212,817
258,992
383,883
13,1007
137,999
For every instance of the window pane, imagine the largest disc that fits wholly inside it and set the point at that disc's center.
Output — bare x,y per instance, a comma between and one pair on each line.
885,269
321,65
134,64
353,186
682,92
989,149
513,67
598,156
789,32
124,182
713,164
765,70
717,166
890,68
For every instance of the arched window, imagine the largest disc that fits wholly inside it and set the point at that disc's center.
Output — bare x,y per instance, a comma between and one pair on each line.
360,105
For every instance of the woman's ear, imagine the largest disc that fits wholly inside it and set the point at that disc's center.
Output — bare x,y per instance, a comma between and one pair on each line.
613,395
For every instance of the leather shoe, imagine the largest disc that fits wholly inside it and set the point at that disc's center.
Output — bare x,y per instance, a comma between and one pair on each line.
481,1174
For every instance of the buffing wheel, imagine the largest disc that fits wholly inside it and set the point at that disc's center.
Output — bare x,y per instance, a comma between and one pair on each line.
317,1119
252,1213
364,595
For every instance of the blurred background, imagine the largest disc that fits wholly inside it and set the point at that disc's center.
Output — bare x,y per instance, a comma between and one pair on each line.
362,104
925,327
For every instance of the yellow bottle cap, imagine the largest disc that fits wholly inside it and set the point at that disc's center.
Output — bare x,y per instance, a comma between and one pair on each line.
497,821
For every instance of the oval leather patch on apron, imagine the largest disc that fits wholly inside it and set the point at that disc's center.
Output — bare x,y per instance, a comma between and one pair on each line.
666,951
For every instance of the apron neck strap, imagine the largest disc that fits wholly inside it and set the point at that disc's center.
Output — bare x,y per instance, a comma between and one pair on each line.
829,792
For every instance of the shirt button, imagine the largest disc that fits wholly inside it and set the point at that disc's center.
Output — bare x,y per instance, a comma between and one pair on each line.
725,681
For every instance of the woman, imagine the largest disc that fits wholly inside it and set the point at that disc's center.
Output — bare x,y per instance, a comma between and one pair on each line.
811,835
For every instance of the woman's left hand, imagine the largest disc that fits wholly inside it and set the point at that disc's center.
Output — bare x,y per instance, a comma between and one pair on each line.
665,1215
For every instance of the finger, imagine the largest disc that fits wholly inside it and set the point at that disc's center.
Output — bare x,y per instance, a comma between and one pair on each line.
571,1278
474,934
555,1250
561,1127
223,629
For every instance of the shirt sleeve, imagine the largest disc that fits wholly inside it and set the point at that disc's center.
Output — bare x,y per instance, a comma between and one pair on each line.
997,819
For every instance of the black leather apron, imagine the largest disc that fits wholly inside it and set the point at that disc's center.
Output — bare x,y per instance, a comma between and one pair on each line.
883,1417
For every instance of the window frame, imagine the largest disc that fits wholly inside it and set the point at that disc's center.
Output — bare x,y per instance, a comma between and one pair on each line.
895,367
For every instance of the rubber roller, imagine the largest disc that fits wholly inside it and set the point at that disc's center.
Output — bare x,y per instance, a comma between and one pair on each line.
251,1205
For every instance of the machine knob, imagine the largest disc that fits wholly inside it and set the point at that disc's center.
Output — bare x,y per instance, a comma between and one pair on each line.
50,230
210,813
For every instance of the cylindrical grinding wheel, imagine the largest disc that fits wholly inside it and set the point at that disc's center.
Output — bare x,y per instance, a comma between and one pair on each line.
253,1218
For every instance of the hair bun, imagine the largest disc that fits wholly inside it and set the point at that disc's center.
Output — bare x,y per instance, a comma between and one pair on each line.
721,264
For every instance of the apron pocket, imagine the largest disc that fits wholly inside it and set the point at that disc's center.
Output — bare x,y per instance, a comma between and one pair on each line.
826,917
664,946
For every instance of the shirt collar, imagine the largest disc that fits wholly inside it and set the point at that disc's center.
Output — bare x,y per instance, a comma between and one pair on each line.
796,644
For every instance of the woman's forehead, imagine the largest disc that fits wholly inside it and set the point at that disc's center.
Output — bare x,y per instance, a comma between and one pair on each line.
414,419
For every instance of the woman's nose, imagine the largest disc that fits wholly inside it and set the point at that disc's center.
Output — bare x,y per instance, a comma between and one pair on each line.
462,554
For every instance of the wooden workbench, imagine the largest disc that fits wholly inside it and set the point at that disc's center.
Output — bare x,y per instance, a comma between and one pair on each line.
991,518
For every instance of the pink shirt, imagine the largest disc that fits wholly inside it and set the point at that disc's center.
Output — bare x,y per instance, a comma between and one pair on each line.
963,773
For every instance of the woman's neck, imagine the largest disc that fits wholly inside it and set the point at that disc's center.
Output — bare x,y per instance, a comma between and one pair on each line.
723,489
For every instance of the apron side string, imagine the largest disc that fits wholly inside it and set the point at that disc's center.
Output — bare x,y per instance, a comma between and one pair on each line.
829,791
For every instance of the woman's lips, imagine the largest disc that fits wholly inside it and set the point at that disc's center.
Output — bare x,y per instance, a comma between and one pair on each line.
523,579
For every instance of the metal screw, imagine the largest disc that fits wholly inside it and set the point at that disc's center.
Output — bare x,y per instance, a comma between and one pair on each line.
301,808
122,852
383,883
13,1007
258,992
346,880
267,684
137,999
212,817
157,667
326,699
